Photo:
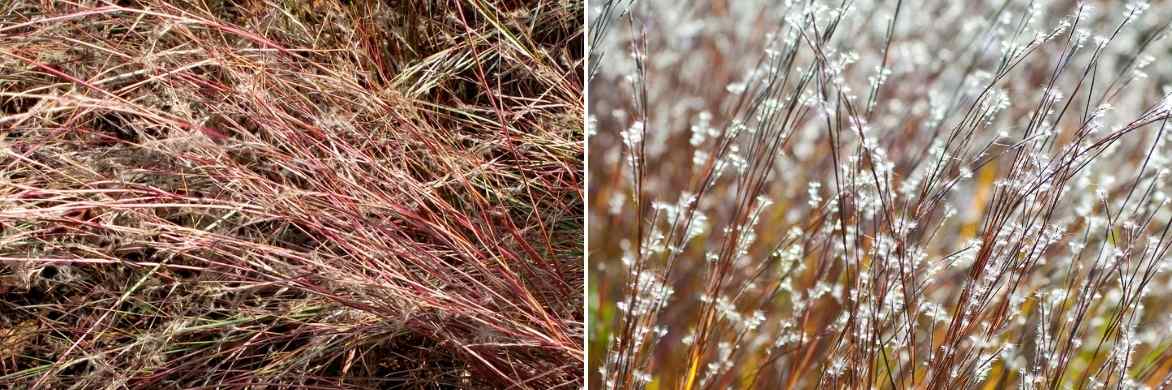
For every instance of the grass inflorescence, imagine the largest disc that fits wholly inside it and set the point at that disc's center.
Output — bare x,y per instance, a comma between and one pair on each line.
880,194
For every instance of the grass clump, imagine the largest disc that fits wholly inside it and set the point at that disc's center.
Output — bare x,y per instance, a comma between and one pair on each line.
281,194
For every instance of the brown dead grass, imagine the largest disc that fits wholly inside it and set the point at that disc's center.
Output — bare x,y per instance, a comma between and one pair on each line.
274,194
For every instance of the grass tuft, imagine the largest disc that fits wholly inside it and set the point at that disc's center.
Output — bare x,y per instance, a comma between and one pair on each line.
282,194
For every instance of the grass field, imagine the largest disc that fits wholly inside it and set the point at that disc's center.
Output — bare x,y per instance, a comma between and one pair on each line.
287,194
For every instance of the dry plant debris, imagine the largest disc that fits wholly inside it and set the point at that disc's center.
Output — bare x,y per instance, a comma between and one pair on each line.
286,194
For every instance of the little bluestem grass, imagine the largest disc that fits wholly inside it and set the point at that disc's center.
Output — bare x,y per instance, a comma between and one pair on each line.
867,194
282,194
